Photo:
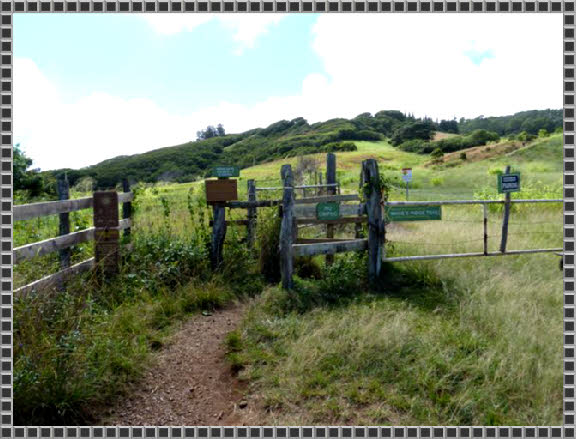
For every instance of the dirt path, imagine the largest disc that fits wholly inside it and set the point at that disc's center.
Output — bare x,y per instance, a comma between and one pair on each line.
190,383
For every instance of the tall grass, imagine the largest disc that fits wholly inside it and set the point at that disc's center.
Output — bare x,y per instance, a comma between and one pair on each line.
468,341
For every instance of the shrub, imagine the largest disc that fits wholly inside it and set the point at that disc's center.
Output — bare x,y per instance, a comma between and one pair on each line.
339,146
437,181
437,154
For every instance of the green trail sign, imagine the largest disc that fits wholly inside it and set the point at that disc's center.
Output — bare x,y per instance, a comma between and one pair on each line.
225,171
413,213
328,211
508,183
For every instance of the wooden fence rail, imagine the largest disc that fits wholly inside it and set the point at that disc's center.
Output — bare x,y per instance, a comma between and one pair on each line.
34,210
105,233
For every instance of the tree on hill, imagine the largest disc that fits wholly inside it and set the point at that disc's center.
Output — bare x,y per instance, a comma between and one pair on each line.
24,178
210,132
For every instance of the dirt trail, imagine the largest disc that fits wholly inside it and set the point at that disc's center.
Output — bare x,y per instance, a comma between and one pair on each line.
190,383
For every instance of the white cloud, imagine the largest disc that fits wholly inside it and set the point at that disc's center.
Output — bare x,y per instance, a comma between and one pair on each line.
414,63
245,28
418,63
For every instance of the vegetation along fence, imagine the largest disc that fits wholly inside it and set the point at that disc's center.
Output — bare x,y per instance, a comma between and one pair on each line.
105,233
377,213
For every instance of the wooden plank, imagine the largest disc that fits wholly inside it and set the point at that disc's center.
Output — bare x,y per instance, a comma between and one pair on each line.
329,248
248,204
50,245
307,211
319,240
232,223
34,210
348,220
324,198
125,197
53,280
287,228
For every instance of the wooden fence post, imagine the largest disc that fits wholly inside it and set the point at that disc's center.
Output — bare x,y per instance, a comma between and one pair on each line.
64,220
361,207
251,229
106,233
506,217
287,228
218,234
126,208
373,196
320,190
331,190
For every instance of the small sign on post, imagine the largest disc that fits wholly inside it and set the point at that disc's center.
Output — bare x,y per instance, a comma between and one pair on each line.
413,213
328,211
508,183
225,171
407,177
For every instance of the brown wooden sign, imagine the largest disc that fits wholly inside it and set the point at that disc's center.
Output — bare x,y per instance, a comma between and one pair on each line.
221,190
105,209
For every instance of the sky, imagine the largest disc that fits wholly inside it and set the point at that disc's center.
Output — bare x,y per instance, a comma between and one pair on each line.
89,87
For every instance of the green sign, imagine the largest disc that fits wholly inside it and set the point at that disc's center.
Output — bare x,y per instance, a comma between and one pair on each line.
226,171
328,211
413,213
508,183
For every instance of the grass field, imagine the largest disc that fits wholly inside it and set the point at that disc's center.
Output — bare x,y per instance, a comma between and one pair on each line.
463,341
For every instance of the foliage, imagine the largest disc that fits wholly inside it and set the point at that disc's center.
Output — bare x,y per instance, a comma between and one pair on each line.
529,121
210,132
451,144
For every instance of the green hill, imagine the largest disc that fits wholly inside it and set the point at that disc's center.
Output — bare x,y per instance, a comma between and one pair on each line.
284,139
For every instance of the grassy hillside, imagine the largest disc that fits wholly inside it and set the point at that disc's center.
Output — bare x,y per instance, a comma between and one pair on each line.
284,139
461,341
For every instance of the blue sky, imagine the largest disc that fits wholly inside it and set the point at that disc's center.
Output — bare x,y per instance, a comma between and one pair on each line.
124,56
88,87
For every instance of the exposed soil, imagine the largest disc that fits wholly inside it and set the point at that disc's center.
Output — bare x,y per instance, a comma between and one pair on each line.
190,382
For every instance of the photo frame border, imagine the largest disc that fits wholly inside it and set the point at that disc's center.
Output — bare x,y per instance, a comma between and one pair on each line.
8,8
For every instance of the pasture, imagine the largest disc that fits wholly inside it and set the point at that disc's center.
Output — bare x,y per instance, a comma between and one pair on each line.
443,342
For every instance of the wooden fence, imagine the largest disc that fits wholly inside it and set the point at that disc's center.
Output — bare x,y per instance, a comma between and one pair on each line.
105,233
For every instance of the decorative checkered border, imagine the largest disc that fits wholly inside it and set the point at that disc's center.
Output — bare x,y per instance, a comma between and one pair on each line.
9,7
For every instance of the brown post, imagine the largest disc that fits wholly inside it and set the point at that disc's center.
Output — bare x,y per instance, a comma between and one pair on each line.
64,220
361,208
373,197
287,235
126,208
106,233
251,229
331,190
506,217
218,234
